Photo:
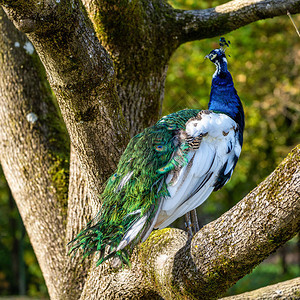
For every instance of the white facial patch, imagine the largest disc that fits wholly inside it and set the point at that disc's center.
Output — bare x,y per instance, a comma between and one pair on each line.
212,56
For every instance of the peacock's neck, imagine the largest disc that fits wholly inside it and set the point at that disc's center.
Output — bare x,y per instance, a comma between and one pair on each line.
221,68
224,98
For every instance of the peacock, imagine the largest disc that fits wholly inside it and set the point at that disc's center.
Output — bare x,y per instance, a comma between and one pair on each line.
168,170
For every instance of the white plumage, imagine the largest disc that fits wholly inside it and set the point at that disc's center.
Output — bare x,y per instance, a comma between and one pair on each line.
197,179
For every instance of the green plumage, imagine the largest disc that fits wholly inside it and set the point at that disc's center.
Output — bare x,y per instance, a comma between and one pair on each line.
136,188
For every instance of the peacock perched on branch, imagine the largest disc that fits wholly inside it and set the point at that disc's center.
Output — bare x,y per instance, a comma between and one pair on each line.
168,170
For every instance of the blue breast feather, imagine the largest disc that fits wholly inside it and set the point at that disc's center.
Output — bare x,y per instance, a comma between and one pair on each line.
224,99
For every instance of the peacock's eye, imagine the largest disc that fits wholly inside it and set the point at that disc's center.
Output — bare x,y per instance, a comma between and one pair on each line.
213,56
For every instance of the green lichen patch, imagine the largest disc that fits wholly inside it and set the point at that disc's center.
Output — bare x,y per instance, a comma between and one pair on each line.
59,171
156,240
90,114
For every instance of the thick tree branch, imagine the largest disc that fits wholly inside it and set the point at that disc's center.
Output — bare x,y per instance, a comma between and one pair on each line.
199,24
289,289
82,76
34,150
230,247
220,253
137,36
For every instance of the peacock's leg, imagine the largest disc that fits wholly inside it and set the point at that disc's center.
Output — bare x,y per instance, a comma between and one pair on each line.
188,224
191,223
195,223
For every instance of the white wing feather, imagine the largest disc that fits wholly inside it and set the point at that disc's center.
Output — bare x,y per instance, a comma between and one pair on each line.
196,180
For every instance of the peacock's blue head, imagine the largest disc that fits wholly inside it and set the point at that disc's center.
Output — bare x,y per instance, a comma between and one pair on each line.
217,56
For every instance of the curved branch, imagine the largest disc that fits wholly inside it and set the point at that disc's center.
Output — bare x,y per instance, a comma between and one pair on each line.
222,252
289,289
82,76
230,247
199,24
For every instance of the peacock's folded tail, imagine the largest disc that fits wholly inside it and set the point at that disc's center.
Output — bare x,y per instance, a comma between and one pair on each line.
132,196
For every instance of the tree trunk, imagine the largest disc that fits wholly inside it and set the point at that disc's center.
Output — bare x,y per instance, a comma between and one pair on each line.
108,88
34,166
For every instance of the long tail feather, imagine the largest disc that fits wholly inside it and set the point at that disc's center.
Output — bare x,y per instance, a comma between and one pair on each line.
110,241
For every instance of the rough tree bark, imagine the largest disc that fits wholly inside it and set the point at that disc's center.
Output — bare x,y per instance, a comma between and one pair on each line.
103,86
289,289
33,151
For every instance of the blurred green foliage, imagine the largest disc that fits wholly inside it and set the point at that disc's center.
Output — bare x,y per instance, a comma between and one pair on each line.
265,63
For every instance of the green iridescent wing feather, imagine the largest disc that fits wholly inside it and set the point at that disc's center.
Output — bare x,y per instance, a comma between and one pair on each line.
136,188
